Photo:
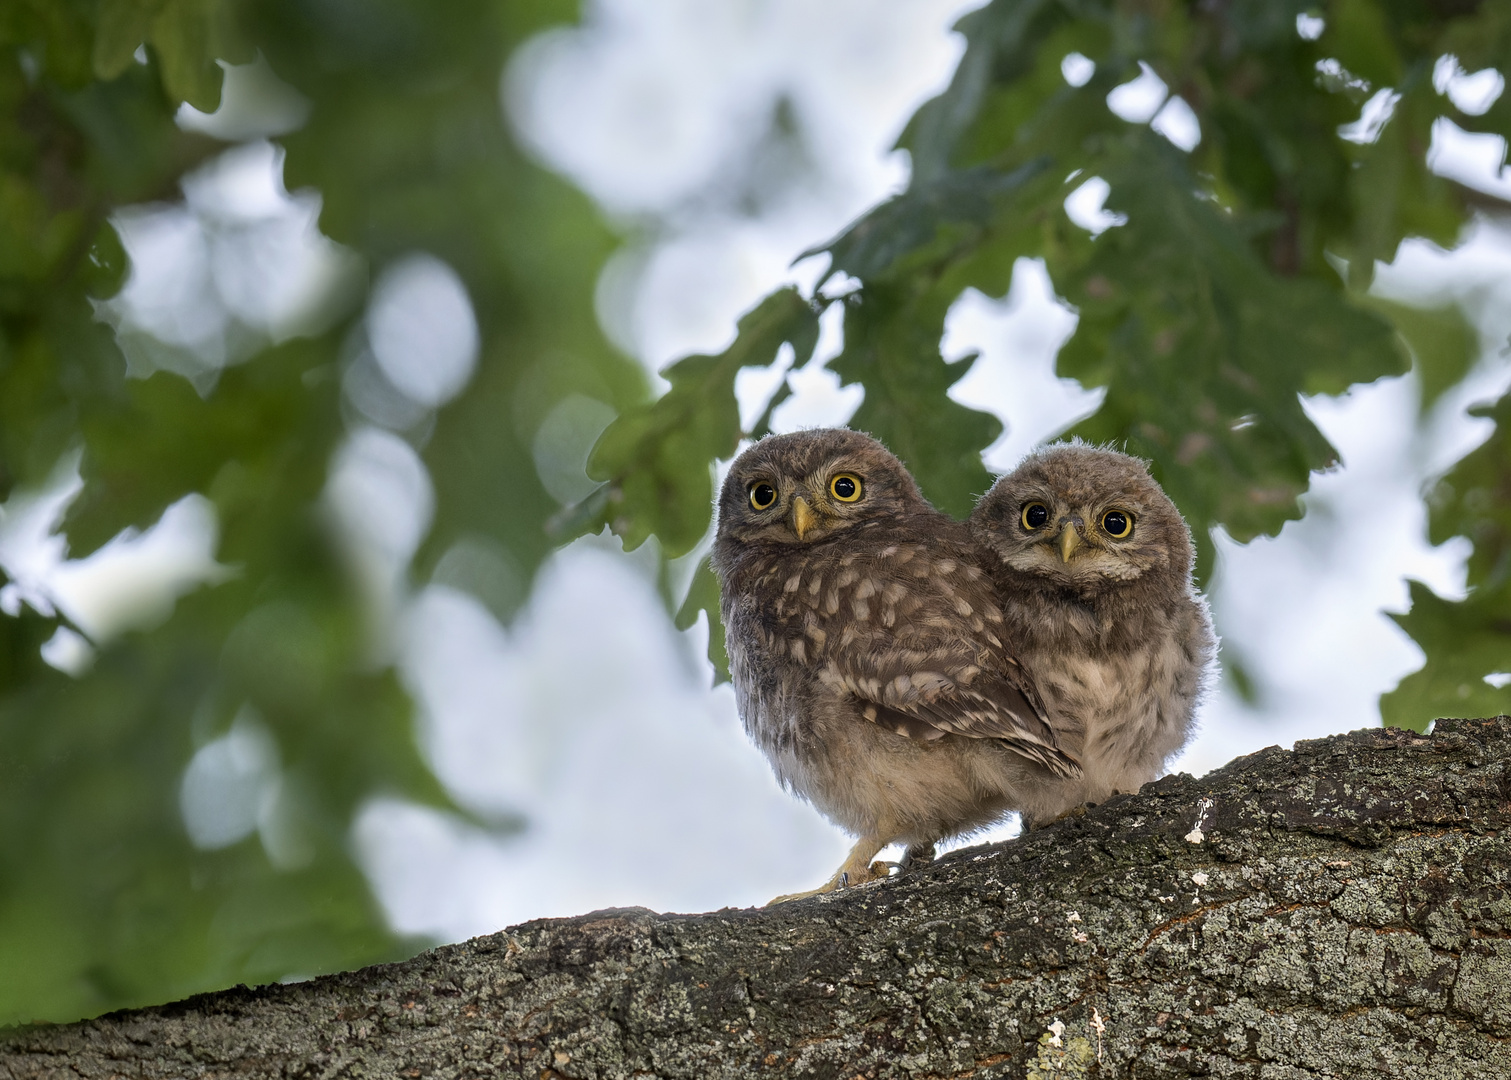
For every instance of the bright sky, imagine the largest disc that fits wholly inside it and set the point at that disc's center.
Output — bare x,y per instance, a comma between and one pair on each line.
638,785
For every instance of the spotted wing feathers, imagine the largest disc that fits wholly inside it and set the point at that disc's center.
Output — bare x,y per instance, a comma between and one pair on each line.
911,632
927,705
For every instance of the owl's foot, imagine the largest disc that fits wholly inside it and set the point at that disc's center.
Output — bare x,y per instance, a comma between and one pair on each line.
857,869
1034,824
844,879
916,857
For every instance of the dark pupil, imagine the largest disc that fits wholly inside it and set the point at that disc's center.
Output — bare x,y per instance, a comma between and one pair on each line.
764,494
1036,516
1116,524
844,487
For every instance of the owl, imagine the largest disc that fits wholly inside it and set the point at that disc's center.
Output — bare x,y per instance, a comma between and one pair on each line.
1092,563
867,650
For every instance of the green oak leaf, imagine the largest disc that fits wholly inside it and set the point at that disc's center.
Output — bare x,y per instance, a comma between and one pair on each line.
657,460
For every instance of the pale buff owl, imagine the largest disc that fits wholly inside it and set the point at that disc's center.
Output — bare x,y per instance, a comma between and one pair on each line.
867,650
1092,563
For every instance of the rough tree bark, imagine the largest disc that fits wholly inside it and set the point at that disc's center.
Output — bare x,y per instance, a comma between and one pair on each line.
1341,910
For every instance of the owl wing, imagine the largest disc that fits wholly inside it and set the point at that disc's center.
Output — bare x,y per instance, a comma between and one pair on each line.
928,698
934,662
910,630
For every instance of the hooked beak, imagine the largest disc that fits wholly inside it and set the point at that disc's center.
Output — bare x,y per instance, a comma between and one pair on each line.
803,517
1070,539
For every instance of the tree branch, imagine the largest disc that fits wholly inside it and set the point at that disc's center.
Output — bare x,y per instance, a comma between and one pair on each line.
1345,914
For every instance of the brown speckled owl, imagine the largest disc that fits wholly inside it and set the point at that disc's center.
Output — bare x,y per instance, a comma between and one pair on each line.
1092,563
867,651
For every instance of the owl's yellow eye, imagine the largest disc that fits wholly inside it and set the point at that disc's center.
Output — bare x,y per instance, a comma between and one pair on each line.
1118,523
1034,515
762,495
845,487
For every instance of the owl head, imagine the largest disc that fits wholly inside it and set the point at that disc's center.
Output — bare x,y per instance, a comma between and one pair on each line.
807,486
1084,518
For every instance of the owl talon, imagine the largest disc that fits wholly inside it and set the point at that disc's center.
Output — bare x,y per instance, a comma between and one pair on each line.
916,857
786,897
858,869
1035,824
841,880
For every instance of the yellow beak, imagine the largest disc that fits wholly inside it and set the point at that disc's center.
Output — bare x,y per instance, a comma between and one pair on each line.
803,517
1070,539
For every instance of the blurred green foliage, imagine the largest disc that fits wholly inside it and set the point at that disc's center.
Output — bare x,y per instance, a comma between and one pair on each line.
1467,639
657,461
104,901
1237,282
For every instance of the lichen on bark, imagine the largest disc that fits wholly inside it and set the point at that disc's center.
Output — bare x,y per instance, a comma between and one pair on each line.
1340,910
